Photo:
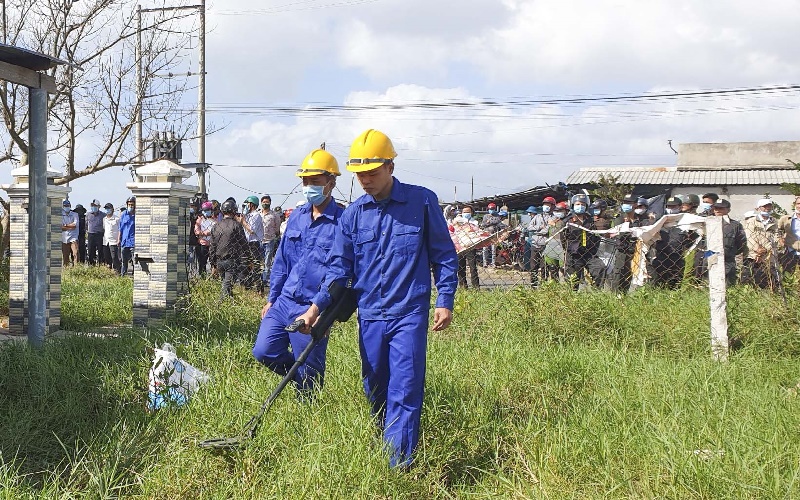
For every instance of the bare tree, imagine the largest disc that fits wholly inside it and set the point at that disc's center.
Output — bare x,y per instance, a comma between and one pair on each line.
92,116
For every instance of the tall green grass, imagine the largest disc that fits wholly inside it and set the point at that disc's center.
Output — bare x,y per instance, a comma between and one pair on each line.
529,394
92,297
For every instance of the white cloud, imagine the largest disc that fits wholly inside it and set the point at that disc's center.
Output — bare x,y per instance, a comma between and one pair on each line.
403,51
503,150
584,43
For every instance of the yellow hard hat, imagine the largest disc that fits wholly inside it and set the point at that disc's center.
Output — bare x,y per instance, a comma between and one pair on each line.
318,162
369,151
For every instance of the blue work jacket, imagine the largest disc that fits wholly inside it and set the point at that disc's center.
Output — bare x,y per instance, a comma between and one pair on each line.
299,265
127,229
389,249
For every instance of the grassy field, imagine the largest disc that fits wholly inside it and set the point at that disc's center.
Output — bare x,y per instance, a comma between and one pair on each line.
546,394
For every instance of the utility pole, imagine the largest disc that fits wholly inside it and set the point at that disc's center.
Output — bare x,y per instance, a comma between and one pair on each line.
139,90
472,188
201,103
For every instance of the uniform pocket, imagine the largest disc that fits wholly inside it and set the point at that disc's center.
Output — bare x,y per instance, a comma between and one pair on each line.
406,238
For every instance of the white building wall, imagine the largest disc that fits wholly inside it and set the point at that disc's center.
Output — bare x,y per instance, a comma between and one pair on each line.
742,198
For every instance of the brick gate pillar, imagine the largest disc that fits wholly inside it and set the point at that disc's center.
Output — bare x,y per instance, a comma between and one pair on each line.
160,278
18,266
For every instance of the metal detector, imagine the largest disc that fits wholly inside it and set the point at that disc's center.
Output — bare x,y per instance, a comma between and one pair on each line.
343,305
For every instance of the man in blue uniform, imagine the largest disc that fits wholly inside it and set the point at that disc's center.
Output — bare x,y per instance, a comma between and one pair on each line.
388,242
297,272
127,234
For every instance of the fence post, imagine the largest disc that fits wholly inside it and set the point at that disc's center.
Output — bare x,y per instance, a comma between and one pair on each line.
715,257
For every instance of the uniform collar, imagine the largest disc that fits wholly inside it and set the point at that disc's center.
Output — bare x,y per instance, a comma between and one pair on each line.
399,193
330,212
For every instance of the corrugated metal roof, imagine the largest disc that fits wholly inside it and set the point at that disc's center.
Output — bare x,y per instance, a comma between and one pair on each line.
686,176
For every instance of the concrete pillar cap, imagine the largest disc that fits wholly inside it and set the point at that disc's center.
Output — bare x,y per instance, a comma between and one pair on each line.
21,174
162,171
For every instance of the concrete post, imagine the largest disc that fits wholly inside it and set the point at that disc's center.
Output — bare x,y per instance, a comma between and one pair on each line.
159,277
18,304
716,288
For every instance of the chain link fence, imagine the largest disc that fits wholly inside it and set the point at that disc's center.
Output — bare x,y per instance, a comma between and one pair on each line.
620,254
253,259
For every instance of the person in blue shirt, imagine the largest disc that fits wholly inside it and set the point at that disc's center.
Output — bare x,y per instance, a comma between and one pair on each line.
297,272
388,242
127,234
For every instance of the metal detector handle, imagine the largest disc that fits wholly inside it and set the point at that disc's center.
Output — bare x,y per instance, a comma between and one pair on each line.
343,304
294,326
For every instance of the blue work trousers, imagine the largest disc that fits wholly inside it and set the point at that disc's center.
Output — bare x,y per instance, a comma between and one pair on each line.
127,258
268,249
393,368
272,347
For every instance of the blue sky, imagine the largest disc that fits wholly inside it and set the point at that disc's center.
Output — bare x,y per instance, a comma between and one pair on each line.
294,52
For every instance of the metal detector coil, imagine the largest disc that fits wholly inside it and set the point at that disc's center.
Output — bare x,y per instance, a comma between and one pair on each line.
343,305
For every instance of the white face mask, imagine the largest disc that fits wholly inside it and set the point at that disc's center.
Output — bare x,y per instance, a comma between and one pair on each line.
639,211
672,211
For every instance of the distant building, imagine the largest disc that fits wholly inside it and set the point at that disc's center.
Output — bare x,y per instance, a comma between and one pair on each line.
741,172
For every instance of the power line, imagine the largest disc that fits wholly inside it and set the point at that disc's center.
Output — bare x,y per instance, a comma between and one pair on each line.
293,7
312,108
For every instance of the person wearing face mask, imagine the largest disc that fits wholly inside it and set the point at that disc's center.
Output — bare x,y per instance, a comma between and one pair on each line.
94,226
271,237
601,265
536,233
633,211
760,264
194,214
111,238
69,234
394,243
734,239
252,258
580,244
789,231
553,252
669,261
673,205
127,234
706,206
81,211
491,222
699,264
202,231
299,267
224,252
469,258
690,203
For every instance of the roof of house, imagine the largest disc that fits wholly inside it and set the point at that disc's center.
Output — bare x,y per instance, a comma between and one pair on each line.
689,176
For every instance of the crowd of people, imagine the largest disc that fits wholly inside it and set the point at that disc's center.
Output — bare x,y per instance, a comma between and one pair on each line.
98,236
250,262
580,241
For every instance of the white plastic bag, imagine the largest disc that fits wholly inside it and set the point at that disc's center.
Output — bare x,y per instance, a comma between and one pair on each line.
172,380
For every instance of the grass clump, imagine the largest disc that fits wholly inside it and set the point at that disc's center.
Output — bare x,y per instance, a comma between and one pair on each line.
529,394
94,296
